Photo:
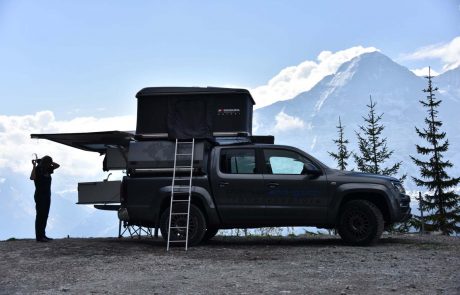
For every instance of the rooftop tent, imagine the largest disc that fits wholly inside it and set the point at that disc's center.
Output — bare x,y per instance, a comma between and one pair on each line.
193,112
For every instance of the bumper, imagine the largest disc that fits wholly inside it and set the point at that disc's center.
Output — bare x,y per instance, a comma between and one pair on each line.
405,216
404,212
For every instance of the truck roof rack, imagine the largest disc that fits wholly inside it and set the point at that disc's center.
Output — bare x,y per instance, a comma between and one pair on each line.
255,139
219,138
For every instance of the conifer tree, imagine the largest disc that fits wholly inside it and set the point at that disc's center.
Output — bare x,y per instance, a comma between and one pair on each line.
373,147
442,204
342,154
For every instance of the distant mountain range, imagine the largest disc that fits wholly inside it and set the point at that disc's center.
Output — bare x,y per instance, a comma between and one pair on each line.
309,120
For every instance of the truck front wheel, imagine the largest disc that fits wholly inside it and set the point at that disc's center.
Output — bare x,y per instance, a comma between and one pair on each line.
196,230
360,223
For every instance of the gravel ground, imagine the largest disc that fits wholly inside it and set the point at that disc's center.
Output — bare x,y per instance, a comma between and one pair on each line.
399,264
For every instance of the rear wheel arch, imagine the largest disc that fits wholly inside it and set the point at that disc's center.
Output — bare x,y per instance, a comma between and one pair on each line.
199,203
197,200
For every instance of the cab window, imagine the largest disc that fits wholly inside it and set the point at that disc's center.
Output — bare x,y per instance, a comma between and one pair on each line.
238,161
279,161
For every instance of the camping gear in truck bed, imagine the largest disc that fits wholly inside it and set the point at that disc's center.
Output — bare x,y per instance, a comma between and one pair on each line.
193,112
159,155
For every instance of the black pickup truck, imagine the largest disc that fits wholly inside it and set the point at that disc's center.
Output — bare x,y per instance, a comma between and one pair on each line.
239,180
258,185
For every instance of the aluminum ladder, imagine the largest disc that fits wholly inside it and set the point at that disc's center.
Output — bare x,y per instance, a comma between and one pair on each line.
181,194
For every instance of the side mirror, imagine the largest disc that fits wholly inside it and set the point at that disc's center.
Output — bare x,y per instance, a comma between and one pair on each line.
313,172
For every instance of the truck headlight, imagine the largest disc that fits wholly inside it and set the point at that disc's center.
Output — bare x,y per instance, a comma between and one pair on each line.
399,187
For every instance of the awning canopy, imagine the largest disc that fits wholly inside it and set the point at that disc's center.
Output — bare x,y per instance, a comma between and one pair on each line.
91,141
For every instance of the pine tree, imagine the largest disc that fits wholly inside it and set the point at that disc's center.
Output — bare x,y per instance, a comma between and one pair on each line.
372,147
342,154
442,204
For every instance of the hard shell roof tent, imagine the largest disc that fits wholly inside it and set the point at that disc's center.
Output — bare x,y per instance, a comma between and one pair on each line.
193,112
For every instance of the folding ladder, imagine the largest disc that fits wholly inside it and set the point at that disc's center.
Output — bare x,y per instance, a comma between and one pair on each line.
181,194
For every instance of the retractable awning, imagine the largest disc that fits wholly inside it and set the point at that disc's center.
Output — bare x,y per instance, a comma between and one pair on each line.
90,141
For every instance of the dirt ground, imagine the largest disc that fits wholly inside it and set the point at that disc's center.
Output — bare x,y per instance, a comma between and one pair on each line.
399,264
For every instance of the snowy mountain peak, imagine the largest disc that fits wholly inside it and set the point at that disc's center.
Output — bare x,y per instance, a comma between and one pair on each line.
367,74
376,64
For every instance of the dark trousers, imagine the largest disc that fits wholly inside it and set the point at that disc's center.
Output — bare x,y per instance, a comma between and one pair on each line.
42,206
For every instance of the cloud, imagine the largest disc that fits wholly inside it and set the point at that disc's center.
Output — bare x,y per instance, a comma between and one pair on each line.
448,53
285,122
22,203
17,148
293,80
423,72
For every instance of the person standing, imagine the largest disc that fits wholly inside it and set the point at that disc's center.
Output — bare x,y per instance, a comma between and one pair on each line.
41,175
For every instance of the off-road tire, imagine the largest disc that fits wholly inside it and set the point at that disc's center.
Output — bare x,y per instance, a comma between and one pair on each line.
360,223
197,226
210,233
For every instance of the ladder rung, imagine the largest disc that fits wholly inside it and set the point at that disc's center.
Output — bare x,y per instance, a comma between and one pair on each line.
179,213
180,200
189,167
184,154
185,142
178,241
178,227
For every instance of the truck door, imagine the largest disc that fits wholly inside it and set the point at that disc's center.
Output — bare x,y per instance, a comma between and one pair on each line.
238,187
296,188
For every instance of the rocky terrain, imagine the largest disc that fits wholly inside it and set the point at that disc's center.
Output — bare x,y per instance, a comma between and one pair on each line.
399,264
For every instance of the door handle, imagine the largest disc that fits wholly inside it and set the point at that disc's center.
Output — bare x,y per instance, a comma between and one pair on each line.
273,184
223,183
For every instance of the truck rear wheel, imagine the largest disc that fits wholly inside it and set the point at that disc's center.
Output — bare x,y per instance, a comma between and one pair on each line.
197,225
360,223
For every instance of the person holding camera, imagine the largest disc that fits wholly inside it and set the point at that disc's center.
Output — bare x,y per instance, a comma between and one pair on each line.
41,175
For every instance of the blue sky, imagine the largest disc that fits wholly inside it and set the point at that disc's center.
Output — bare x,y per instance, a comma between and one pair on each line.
89,58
